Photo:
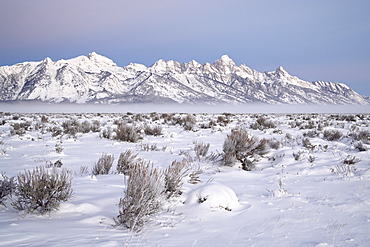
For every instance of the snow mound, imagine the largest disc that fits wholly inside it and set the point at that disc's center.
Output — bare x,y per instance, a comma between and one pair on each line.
214,196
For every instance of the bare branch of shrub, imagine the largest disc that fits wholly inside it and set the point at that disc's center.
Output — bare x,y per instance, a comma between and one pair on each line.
351,160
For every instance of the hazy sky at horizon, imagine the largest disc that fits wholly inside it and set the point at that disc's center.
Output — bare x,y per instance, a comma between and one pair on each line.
314,40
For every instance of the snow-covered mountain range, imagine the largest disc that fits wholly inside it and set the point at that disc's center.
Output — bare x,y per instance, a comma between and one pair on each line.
95,78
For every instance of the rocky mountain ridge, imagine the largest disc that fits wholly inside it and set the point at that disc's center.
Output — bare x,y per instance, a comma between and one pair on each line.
95,78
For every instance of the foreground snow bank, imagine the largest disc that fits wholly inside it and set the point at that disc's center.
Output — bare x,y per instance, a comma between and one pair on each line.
214,196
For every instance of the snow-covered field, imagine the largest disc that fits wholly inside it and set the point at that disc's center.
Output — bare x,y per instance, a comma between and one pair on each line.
310,189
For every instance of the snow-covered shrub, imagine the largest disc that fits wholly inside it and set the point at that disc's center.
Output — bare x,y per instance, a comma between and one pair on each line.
84,127
363,136
348,118
201,149
127,133
7,187
95,126
347,168
87,126
298,155
103,165
173,177
262,123
273,143
70,127
308,125
55,131
42,189
311,133
360,146
59,147
311,158
154,131
149,147
44,119
106,133
142,196
18,129
126,160
57,164
332,135
242,147
223,120
189,122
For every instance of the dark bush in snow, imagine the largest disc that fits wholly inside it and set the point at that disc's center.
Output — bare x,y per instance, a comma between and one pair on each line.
243,147
19,128
332,135
262,123
103,165
127,133
363,136
7,187
70,127
155,131
42,189
360,146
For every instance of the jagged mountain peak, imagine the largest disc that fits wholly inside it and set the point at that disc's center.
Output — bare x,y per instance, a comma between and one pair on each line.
281,71
135,67
99,59
47,60
162,66
194,63
224,59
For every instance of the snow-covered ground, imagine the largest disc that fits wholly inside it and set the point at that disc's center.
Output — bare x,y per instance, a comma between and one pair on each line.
300,193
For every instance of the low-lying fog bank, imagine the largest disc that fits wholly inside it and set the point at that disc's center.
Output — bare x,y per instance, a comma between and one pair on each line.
42,107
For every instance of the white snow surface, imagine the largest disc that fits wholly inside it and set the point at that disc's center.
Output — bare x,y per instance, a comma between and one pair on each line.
283,202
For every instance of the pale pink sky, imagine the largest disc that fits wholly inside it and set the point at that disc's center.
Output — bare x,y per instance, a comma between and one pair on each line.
314,40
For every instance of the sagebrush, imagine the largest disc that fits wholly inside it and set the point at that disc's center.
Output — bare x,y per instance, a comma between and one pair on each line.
103,165
126,160
41,190
142,196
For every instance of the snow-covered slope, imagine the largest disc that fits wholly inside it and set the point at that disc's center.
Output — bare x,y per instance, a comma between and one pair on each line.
95,78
